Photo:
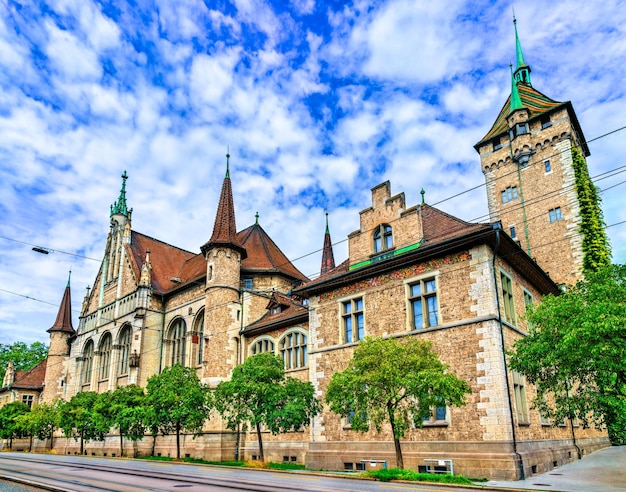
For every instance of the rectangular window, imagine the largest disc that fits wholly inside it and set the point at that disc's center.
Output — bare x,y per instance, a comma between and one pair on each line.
509,194
528,299
555,214
545,122
353,320
438,416
248,283
28,400
423,299
512,232
497,144
507,298
548,166
519,392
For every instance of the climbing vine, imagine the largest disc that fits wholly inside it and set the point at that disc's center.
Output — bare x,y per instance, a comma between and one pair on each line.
596,248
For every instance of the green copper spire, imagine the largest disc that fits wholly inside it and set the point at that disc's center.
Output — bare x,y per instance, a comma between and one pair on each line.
327,229
119,207
516,101
522,71
227,162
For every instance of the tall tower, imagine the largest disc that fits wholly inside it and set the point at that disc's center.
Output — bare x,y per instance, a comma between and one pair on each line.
527,160
60,332
223,308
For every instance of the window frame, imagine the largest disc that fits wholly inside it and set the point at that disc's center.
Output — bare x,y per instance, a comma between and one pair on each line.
382,238
424,297
555,214
124,342
520,398
509,194
350,319
433,421
104,358
298,354
177,336
87,363
252,348
198,329
508,297
547,165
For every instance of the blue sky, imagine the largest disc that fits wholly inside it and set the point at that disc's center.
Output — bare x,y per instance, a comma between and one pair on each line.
317,101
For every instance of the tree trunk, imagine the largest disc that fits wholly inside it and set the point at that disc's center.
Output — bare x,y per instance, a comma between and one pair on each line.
177,441
81,442
154,436
258,435
121,444
11,443
396,441
30,444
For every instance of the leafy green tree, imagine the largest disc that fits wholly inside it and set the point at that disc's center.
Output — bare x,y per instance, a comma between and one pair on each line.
9,421
78,419
575,353
24,356
258,393
177,400
394,381
40,422
122,409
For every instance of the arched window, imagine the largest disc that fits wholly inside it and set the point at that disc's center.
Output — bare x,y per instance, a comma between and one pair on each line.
178,340
293,349
104,361
383,238
124,348
262,345
199,331
87,363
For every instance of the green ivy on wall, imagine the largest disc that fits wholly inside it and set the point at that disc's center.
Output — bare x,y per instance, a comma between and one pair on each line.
596,248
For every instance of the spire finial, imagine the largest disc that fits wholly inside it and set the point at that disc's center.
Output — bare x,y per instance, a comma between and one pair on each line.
119,207
328,258
522,71
227,161
256,218
327,229
69,276
422,192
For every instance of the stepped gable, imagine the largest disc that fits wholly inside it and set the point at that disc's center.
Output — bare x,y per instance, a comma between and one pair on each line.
32,379
263,254
439,226
167,261
289,313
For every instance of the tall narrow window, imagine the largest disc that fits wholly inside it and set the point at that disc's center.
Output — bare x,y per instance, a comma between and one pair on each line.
519,392
199,331
178,341
104,361
528,299
513,232
383,238
353,320
423,299
547,166
293,350
507,297
124,348
87,363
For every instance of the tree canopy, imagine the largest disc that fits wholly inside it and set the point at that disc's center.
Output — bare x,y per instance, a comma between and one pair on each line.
394,381
41,421
9,420
77,418
24,356
177,401
575,353
258,394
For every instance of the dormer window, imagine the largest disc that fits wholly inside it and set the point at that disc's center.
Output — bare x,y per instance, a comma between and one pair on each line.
497,144
545,122
383,238
277,310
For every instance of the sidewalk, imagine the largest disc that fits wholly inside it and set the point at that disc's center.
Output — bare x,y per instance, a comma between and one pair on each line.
602,471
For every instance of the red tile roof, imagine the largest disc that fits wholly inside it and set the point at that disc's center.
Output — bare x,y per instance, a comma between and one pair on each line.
63,322
292,312
264,256
32,379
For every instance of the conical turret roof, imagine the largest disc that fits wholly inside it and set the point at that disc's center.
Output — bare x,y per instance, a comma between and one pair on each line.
328,258
64,317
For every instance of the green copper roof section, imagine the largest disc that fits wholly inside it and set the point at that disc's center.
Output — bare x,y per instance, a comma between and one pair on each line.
327,229
227,163
386,256
119,207
522,71
516,101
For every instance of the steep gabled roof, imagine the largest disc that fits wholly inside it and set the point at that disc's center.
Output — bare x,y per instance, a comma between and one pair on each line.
32,379
439,226
167,260
263,254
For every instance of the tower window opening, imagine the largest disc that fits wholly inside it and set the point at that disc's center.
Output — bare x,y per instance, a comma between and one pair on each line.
545,122
548,166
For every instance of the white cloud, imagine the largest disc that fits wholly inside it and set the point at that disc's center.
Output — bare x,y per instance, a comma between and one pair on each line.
70,56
